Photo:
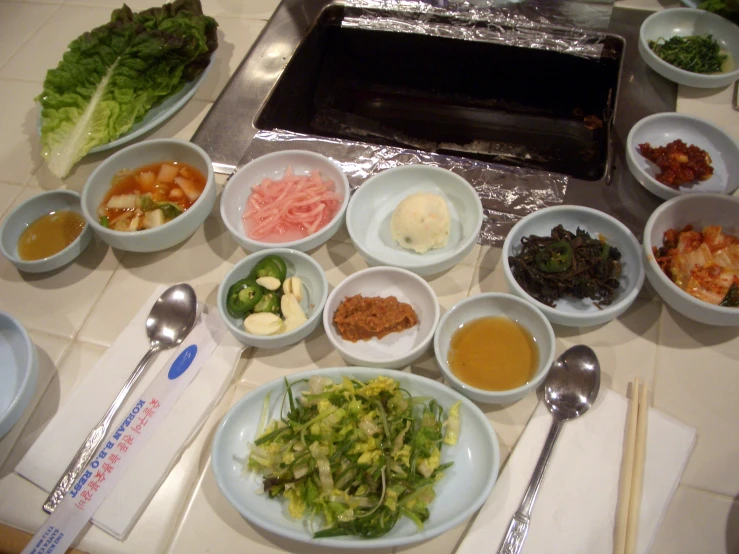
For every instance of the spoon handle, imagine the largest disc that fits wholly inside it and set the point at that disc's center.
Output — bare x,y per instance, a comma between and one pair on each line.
519,526
96,436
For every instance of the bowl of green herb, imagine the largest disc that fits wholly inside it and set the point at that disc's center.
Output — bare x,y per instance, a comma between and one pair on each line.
691,47
579,266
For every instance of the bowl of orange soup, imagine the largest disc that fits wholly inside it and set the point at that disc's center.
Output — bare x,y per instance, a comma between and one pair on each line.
150,196
494,347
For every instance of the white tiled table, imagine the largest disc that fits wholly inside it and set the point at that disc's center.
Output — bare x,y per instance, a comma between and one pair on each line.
75,313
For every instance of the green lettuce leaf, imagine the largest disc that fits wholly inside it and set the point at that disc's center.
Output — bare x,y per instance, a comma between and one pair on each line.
111,76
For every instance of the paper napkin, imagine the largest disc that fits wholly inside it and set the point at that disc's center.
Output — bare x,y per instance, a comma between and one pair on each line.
49,456
575,509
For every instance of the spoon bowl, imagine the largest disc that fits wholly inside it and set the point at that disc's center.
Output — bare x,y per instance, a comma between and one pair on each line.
172,316
570,389
573,383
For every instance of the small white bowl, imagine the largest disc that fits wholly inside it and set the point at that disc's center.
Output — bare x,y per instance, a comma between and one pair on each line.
495,304
689,22
395,350
137,155
28,212
698,210
574,312
661,129
315,292
274,166
372,206
18,371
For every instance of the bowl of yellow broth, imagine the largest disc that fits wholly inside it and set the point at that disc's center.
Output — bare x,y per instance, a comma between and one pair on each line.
45,232
494,347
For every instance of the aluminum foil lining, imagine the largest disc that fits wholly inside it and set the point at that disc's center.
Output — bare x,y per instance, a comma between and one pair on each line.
507,193
569,26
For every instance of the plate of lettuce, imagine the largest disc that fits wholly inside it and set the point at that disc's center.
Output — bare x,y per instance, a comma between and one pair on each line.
355,458
158,114
123,78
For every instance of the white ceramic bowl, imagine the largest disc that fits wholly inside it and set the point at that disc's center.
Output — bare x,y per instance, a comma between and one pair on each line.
661,129
29,211
573,312
372,206
137,155
274,166
395,350
698,210
495,304
18,371
690,22
315,292
465,486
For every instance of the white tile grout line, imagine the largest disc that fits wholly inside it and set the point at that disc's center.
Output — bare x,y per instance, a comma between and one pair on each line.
20,79
6,211
200,476
32,33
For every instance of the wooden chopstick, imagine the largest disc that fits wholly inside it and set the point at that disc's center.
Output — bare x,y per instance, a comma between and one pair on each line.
632,472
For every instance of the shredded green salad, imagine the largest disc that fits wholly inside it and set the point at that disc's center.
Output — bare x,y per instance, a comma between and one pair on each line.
354,457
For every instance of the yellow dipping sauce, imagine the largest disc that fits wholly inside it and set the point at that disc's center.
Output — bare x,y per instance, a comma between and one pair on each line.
493,353
50,234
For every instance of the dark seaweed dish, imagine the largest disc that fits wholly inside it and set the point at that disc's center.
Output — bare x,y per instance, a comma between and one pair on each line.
567,264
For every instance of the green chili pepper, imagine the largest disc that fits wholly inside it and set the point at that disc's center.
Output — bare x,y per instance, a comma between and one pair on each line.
270,267
270,302
104,221
555,258
243,296
280,263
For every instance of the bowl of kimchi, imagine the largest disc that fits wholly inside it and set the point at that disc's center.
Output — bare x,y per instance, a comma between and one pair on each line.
151,195
691,245
289,199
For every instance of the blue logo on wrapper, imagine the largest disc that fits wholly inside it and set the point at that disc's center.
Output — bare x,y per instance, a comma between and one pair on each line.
183,361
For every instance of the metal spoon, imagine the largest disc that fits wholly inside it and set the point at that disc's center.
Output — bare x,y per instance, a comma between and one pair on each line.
569,390
171,318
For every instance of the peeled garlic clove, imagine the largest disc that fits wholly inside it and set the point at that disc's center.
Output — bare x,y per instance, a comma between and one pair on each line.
269,283
294,286
290,306
263,323
293,322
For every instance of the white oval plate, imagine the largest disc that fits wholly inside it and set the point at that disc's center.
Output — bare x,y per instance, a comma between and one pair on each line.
661,129
155,116
464,488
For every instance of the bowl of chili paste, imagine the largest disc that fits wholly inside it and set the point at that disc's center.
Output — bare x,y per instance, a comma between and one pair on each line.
671,154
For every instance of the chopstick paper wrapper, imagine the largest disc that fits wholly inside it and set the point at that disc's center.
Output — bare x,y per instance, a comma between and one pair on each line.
47,459
576,505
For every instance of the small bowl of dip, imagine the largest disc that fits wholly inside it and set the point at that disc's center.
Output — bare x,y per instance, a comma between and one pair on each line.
494,347
45,232
381,317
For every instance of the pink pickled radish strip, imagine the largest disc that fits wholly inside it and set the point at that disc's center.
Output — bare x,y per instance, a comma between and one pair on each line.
296,205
